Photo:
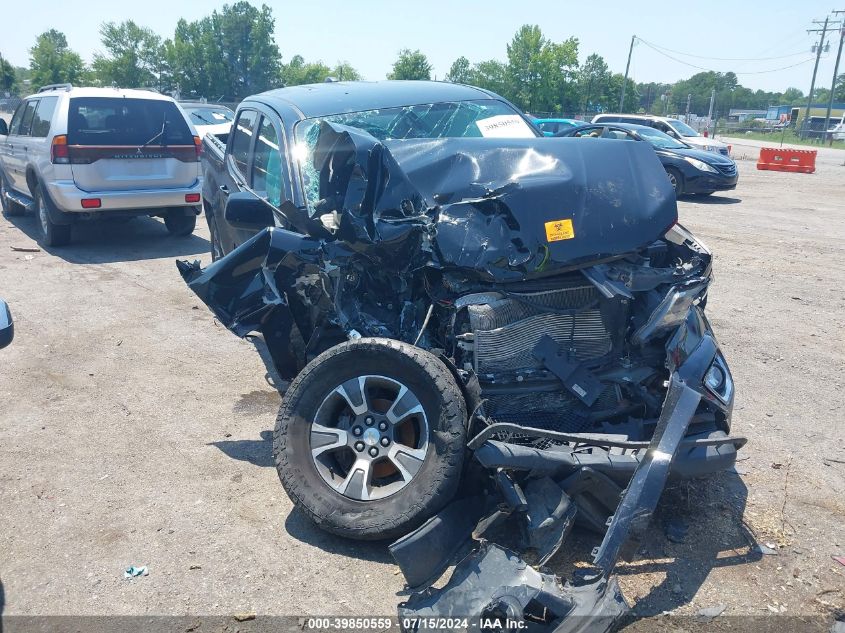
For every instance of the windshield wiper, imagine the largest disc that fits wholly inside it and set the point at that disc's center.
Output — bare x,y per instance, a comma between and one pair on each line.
160,134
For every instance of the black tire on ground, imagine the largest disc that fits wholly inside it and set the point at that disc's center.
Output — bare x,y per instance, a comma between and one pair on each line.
705,193
434,483
179,224
10,208
677,181
52,234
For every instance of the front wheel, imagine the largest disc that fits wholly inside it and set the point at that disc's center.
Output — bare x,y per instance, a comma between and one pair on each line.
676,180
370,438
179,224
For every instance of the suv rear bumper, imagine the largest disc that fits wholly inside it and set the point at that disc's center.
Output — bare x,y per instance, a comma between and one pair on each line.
67,198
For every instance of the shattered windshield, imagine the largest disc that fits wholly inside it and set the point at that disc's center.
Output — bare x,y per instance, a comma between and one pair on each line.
452,119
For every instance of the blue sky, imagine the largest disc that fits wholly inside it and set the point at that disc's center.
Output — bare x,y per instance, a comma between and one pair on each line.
369,33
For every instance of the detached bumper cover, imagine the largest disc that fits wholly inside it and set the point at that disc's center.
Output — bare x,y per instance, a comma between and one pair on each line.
493,587
493,582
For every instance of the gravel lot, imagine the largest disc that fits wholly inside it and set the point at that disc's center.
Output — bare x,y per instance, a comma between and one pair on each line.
136,430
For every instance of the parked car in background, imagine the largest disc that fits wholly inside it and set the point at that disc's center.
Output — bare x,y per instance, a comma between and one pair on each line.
675,128
690,170
7,326
550,127
85,153
209,118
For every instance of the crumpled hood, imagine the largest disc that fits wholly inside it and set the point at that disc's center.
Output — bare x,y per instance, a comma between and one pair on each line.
506,208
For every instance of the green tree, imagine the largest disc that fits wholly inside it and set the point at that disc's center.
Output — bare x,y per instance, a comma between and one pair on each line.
839,93
460,72
411,65
559,68
297,72
344,71
792,95
249,50
194,58
525,66
230,54
593,79
542,74
651,97
8,78
134,56
51,61
491,75
614,93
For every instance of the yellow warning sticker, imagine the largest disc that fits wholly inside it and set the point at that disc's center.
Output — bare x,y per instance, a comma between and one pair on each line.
557,230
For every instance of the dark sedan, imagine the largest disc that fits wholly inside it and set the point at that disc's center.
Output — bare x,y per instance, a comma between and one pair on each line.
689,170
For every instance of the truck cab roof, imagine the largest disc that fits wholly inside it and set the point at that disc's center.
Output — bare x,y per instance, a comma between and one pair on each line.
335,97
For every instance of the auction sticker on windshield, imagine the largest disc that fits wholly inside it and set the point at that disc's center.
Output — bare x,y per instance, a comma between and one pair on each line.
557,230
504,126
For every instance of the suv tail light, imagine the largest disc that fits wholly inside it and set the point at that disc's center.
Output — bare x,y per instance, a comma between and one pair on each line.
198,146
59,153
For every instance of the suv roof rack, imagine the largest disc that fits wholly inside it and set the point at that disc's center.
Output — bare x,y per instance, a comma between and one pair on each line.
55,87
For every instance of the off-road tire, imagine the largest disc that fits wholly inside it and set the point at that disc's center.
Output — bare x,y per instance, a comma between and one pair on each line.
180,225
10,208
52,234
435,483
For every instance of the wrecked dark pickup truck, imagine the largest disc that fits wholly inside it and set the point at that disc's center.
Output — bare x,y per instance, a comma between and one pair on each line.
487,332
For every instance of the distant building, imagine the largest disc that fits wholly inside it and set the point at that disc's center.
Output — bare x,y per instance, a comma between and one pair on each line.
741,115
778,114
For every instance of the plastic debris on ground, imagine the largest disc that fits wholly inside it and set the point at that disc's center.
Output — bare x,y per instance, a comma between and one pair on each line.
134,572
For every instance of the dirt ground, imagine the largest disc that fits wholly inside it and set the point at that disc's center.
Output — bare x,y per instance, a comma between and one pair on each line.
134,430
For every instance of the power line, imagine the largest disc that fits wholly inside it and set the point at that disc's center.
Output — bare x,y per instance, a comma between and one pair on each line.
754,72
722,59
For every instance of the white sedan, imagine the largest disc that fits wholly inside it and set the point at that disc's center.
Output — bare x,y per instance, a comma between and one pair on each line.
209,118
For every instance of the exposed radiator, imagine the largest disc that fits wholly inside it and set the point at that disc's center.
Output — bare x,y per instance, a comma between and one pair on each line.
506,330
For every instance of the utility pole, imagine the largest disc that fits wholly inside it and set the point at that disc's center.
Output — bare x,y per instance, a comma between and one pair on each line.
686,115
710,112
823,31
835,71
627,67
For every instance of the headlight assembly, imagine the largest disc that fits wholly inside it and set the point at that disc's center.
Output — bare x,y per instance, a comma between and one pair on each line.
670,313
718,380
701,165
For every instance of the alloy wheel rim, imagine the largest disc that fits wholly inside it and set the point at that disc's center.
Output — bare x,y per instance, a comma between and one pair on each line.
369,438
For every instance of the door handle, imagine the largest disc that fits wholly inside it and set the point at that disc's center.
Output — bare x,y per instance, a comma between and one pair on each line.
224,189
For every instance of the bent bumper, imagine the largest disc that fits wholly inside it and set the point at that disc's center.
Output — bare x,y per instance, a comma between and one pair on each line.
67,198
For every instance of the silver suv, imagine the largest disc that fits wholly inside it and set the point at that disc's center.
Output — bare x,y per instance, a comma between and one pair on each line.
81,153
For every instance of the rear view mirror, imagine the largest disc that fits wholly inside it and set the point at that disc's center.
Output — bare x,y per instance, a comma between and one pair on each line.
245,211
4,128
7,328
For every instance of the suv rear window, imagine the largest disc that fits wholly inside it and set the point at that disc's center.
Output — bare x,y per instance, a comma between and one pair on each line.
121,121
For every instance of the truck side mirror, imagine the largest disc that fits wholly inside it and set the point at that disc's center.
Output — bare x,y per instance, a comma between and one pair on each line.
4,128
7,327
245,211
